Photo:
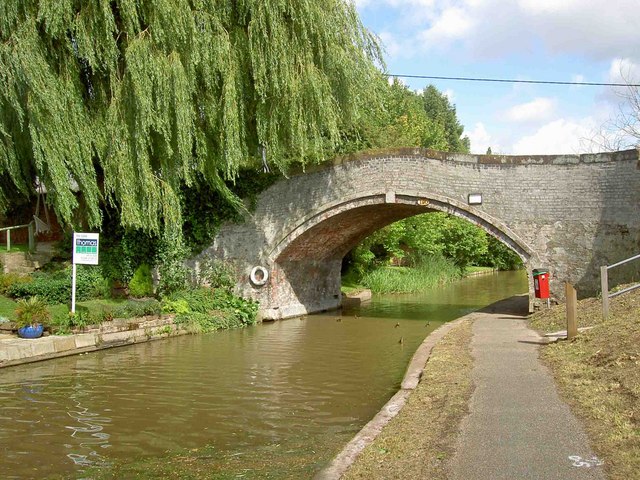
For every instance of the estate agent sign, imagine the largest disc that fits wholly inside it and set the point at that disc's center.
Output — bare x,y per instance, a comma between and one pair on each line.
85,248
85,252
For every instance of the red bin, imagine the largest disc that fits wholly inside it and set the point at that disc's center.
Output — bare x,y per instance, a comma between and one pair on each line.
541,282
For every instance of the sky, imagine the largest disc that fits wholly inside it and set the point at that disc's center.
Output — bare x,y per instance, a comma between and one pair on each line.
558,40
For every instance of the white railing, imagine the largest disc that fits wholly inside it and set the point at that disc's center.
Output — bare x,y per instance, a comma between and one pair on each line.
604,284
29,226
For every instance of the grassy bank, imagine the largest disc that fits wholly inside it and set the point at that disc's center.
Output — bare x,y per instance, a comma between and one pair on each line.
598,374
431,272
419,440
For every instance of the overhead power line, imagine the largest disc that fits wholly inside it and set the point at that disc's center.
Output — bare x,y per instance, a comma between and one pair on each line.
504,80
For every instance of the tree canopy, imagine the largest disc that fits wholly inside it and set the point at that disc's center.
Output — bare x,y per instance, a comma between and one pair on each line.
131,100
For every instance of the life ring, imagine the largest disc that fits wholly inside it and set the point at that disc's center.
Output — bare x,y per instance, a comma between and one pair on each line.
259,276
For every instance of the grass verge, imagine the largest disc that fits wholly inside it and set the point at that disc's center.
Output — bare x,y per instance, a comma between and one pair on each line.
418,442
7,308
598,374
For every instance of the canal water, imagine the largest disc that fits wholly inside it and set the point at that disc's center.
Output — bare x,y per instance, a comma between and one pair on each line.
277,400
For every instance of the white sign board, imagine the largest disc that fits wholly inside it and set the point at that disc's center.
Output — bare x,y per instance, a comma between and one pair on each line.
85,248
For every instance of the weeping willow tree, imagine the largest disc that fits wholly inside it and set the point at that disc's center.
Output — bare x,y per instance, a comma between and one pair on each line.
126,101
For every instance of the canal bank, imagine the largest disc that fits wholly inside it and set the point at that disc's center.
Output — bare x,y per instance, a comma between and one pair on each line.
486,422
17,351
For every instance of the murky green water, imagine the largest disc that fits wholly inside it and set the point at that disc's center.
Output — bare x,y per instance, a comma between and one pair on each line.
272,401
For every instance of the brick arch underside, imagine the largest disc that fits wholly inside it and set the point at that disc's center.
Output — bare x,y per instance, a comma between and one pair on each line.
310,256
331,233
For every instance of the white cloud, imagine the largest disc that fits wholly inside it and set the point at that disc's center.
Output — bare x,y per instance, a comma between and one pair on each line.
539,109
453,23
481,140
594,29
556,137
391,44
450,94
624,70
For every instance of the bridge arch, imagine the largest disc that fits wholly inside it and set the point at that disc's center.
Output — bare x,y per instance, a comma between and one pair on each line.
334,229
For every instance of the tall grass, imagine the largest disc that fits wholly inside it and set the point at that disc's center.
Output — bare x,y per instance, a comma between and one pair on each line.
430,272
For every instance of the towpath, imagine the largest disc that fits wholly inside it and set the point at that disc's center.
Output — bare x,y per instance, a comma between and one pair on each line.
518,427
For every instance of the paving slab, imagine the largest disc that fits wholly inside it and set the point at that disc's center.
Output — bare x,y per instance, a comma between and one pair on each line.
518,427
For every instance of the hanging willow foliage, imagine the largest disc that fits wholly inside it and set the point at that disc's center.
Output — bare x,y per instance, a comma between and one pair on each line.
129,99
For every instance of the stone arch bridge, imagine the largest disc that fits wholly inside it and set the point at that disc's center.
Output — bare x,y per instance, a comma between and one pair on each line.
567,213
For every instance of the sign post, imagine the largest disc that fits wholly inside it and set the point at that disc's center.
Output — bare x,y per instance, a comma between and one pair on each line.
85,252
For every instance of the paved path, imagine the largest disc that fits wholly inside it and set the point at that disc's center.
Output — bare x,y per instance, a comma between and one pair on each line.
518,427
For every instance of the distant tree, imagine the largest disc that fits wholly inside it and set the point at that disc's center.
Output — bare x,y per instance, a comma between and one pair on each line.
440,110
428,234
489,152
132,100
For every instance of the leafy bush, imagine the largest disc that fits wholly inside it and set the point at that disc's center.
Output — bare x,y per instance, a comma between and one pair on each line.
225,309
179,306
9,279
197,322
55,287
138,308
216,274
141,284
31,312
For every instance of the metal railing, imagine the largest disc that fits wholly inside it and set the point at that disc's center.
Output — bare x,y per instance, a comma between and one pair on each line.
29,226
604,284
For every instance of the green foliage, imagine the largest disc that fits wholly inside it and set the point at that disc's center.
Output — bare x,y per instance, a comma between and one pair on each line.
196,322
31,312
500,256
432,271
137,308
7,280
179,306
423,235
170,257
141,285
133,100
55,287
405,118
216,274
204,209
206,309
440,111
462,241
122,250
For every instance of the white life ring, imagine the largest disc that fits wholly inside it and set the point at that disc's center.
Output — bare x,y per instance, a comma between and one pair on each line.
259,276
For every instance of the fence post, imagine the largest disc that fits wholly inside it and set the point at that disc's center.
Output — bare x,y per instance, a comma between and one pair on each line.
8,240
604,288
572,310
32,240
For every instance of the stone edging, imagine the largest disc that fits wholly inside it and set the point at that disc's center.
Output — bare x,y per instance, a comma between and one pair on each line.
371,430
19,351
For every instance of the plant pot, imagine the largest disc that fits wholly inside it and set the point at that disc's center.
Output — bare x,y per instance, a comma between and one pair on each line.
31,331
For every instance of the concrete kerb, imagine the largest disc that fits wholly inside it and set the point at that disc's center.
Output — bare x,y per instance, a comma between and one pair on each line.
371,430
16,351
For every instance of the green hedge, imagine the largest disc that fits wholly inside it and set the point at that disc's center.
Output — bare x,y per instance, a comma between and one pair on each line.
55,287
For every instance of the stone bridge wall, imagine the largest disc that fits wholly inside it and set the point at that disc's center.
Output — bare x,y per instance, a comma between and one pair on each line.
567,213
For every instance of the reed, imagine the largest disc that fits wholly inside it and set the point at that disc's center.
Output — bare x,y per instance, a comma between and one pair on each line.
432,271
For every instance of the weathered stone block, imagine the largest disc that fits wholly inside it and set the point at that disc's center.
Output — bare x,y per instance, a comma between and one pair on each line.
63,344
86,340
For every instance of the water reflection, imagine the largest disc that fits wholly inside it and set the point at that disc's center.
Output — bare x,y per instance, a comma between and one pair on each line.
301,385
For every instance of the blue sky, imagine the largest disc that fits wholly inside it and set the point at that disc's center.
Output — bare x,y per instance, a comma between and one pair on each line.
561,40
